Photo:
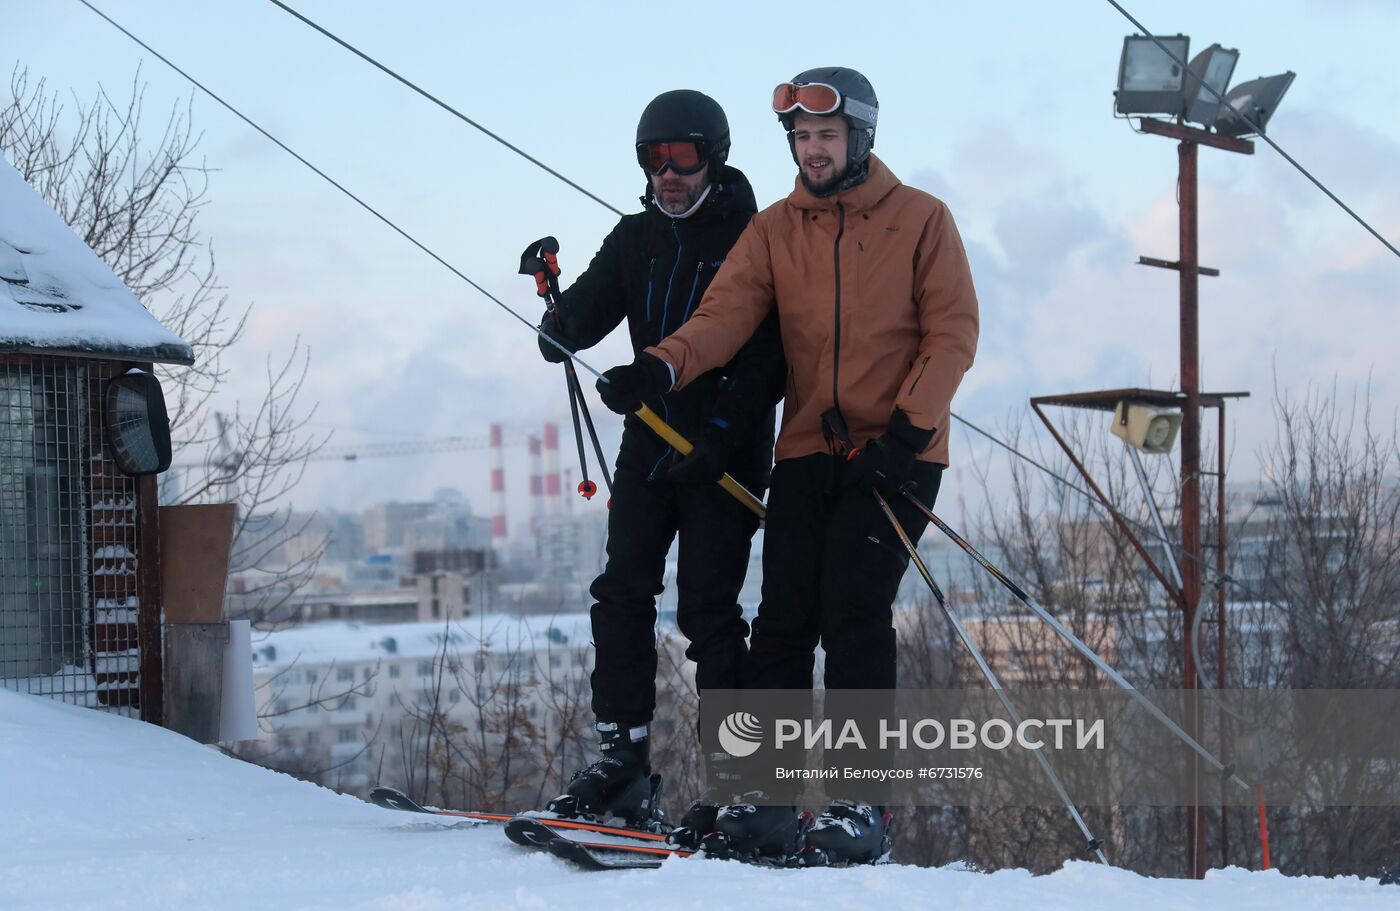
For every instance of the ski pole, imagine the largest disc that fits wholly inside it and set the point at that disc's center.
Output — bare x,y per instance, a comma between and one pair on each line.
585,486
1095,845
540,260
1072,639
751,502
682,445
673,439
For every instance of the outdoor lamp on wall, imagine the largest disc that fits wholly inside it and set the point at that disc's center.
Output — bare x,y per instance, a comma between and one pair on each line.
1211,69
138,430
1146,427
1149,80
1258,99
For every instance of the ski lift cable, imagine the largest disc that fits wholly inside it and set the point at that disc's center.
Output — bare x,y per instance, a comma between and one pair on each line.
444,105
1211,573
1094,844
1218,579
1249,119
341,187
1227,770
1245,115
378,65
644,413
413,240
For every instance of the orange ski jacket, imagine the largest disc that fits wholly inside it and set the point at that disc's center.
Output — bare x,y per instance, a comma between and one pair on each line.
875,303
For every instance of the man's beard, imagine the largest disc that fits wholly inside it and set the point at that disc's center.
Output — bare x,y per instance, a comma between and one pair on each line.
677,205
824,186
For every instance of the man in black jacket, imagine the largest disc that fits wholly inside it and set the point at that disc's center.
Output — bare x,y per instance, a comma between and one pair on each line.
652,271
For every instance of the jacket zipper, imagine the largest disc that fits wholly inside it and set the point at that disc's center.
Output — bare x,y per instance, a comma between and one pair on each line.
651,268
666,302
661,335
920,376
836,354
690,301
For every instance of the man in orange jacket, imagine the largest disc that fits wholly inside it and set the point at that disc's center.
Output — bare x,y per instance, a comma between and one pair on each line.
879,323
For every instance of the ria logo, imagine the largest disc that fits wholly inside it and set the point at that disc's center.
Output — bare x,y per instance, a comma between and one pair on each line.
740,734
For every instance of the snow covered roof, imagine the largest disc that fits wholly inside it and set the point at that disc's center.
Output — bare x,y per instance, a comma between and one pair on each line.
343,643
56,296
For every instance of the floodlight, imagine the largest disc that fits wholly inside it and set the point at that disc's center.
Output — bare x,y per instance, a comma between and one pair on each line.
138,430
1211,69
1149,80
1258,99
1146,427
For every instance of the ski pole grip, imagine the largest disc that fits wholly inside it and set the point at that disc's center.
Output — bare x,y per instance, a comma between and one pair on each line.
682,445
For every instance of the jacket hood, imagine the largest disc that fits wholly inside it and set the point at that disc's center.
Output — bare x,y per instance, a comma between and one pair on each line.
878,184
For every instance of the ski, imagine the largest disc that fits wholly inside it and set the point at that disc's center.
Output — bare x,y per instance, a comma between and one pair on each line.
394,799
599,855
533,832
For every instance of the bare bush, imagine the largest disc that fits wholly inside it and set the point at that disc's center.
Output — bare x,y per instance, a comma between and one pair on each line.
134,189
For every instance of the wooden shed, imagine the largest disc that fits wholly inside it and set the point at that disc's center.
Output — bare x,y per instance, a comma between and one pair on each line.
80,600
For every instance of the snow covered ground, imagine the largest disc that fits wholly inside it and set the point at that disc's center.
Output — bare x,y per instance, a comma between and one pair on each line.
104,812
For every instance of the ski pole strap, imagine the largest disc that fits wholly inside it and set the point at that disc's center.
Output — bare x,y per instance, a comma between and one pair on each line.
682,445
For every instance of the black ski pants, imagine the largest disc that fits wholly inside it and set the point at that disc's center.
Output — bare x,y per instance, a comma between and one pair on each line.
831,569
832,565
715,536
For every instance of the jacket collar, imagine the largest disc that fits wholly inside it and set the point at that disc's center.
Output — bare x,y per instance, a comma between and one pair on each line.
731,193
864,195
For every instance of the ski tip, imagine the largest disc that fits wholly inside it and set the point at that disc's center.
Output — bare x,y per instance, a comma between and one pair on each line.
394,799
531,833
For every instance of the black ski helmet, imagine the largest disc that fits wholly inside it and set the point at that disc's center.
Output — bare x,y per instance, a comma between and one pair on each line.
688,114
861,115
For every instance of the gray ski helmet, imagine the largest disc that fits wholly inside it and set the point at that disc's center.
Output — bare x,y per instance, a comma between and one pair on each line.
859,107
688,114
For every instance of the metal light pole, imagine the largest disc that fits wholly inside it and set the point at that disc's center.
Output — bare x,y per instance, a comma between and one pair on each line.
1189,268
1154,78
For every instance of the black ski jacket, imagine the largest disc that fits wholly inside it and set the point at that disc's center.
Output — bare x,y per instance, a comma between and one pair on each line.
652,270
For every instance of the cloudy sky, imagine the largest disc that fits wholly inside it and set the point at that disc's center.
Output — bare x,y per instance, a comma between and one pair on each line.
1003,109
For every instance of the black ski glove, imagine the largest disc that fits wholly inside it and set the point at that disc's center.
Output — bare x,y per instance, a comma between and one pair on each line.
623,389
886,464
709,457
550,353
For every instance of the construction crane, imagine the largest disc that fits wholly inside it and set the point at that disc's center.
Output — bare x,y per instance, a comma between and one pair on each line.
353,453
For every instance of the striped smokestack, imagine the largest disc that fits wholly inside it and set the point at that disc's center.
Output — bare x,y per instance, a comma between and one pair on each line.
536,485
498,488
553,487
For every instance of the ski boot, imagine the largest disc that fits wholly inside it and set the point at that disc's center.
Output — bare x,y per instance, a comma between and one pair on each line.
721,788
620,785
851,833
755,830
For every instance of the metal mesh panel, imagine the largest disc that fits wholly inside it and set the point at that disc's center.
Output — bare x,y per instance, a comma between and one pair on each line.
68,582
113,514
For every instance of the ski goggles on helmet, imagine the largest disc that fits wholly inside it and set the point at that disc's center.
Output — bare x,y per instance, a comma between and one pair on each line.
685,157
812,97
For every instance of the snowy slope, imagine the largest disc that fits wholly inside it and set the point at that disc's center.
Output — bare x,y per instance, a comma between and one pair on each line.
105,812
